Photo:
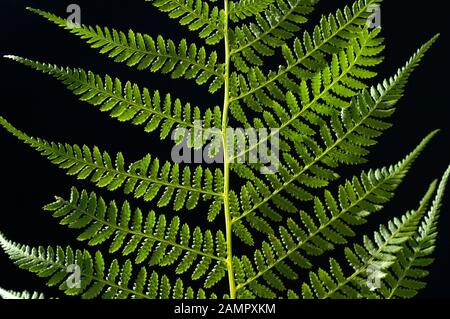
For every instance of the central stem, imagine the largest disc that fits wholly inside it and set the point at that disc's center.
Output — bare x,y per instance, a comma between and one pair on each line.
226,166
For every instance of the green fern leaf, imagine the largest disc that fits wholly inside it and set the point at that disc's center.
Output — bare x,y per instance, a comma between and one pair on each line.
379,253
405,277
241,9
128,102
273,27
144,178
155,239
336,218
352,135
118,282
342,79
318,110
197,15
143,52
330,36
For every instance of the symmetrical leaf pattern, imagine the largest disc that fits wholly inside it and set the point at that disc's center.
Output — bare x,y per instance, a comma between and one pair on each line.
241,9
378,254
144,179
332,223
343,138
129,103
153,238
198,15
114,281
144,52
321,111
273,26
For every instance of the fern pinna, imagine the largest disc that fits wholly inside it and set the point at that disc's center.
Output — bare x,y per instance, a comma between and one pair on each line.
324,113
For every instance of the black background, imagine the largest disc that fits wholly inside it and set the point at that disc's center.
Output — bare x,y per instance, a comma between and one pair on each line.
42,107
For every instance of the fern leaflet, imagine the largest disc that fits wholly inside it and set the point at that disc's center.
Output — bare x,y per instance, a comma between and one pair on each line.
142,51
291,204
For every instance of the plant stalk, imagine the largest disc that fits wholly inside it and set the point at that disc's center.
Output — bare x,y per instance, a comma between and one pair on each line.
226,168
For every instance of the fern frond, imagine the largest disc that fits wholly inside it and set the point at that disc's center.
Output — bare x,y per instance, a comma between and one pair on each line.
128,102
115,282
275,25
330,89
144,178
345,139
307,57
379,254
331,224
197,15
150,237
318,111
405,278
143,52
241,9
5,294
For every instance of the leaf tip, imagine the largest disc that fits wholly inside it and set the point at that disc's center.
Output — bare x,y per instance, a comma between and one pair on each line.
11,57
